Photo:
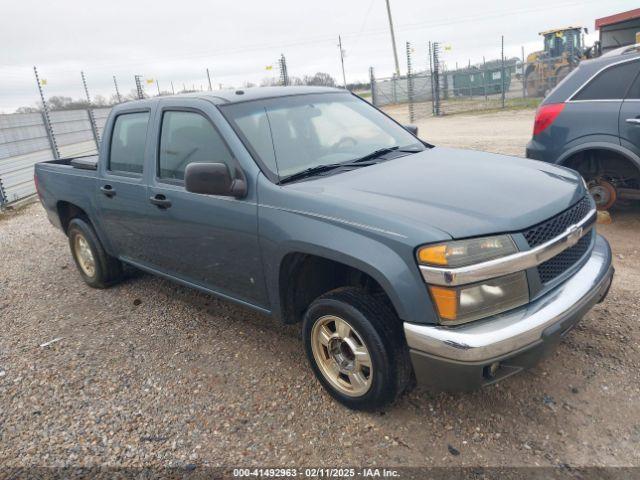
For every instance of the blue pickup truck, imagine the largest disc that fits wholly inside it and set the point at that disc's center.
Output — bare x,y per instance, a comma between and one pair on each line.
403,261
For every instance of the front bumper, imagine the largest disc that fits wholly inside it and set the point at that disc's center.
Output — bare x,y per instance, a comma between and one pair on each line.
460,358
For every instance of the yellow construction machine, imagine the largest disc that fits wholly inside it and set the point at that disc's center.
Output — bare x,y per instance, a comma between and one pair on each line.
563,50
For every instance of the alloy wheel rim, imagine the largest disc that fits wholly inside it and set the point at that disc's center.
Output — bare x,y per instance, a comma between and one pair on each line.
84,254
342,356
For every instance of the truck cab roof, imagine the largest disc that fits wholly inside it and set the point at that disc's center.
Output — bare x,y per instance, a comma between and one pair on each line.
229,96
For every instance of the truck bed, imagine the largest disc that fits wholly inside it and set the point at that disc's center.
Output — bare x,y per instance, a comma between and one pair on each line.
67,181
86,162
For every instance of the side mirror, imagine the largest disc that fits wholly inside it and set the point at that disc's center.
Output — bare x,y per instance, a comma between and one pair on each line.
412,129
213,179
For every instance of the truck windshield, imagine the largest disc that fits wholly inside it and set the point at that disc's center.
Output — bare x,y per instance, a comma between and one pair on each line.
297,133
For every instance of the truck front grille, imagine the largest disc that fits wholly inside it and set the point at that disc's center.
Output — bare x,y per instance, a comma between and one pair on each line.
564,261
545,231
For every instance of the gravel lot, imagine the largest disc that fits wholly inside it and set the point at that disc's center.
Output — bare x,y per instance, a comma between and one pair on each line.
150,373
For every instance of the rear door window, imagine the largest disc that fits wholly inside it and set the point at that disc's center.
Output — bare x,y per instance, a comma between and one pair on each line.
610,84
634,91
128,141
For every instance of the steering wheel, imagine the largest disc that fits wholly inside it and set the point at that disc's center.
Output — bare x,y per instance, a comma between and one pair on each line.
344,140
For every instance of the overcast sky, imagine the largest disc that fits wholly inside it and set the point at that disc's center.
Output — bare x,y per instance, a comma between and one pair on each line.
176,41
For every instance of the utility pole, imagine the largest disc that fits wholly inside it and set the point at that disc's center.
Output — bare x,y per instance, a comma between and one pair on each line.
344,78
173,90
158,86
209,78
393,40
115,84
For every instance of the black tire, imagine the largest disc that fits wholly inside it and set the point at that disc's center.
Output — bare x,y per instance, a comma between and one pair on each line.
107,269
380,331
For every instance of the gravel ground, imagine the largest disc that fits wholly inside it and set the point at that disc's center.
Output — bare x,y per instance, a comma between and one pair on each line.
148,373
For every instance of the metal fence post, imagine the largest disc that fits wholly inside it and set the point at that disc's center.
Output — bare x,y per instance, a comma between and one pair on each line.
372,81
284,72
436,78
502,67
139,87
3,197
484,78
50,135
46,119
410,85
433,105
92,119
115,84
522,74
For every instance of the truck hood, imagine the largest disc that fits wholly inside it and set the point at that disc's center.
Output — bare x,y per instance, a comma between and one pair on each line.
460,192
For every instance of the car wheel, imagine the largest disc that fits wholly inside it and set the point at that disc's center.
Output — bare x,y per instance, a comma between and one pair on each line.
97,268
356,348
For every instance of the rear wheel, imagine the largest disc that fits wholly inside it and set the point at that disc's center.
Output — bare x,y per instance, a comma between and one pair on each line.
356,348
97,268
531,85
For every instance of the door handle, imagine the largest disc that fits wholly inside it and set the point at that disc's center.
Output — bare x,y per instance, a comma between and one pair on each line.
160,201
634,121
108,190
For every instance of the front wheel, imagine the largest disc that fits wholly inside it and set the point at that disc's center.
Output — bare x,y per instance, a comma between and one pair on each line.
356,348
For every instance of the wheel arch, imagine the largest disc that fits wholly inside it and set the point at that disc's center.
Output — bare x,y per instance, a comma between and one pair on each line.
581,149
597,151
67,211
306,273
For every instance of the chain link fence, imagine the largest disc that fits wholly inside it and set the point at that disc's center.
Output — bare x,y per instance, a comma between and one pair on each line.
436,89
430,88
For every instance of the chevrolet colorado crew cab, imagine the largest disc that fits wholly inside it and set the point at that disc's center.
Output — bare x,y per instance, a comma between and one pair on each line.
404,261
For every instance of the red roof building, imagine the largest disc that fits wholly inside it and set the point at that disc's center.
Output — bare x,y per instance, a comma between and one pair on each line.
619,30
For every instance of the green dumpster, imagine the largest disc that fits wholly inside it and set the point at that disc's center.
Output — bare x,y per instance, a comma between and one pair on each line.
475,82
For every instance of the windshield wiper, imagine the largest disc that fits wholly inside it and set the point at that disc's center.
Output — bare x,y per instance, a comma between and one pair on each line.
359,162
375,154
309,172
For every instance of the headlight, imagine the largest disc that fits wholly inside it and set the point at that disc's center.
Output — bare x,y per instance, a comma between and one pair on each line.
460,253
477,300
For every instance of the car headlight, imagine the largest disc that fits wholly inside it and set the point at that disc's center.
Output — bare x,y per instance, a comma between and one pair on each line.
478,300
460,253
470,302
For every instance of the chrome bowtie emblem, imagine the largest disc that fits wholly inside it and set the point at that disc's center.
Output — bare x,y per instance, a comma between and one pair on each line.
575,234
